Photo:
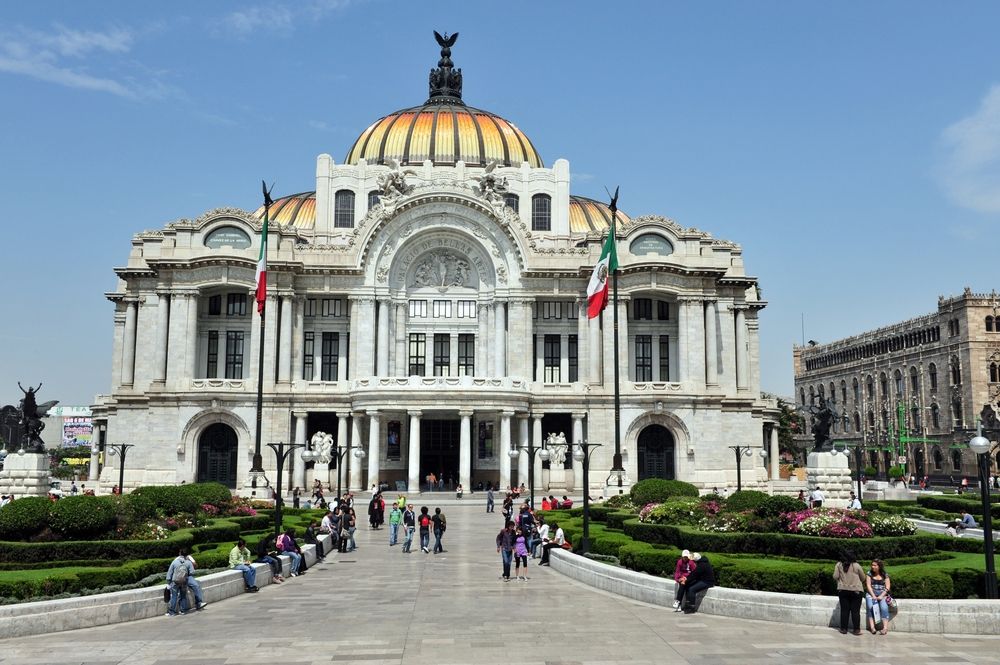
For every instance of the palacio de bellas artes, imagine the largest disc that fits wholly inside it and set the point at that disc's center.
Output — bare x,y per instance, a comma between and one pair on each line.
427,304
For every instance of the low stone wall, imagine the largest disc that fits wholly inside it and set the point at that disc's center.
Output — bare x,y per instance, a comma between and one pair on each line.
48,616
964,617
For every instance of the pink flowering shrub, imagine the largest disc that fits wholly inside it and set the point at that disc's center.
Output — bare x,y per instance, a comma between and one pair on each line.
209,510
646,510
830,523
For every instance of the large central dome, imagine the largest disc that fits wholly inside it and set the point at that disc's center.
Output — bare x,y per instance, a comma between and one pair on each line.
444,130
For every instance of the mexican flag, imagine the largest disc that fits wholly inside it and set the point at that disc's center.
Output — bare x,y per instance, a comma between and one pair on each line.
597,290
262,261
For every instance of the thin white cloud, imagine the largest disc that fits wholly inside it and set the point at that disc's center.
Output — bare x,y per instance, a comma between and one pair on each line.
279,18
320,125
63,57
971,170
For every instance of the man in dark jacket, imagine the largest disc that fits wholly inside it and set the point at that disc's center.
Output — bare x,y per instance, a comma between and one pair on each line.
702,578
505,548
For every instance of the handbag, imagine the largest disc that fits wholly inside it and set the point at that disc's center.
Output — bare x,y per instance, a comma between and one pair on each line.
877,615
166,594
891,603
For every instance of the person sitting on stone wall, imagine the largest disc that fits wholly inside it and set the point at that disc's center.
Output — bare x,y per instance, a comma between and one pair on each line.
239,559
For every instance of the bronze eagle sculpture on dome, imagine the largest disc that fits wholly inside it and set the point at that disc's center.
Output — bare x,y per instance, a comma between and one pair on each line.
446,41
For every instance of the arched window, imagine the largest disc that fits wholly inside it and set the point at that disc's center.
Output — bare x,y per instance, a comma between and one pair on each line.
989,324
932,375
512,201
847,423
802,396
374,197
883,384
938,459
857,390
843,392
857,421
812,396
915,419
956,412
956,459
833,393
993,372
541,212
343,209
870,387
871,420
822,393
914,381
885,420
898,380
935,416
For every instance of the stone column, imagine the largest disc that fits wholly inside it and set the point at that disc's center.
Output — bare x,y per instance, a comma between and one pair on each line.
711,344
625,359
500,340
741,349
483,340
582,342
696,339
93,474
539,353
162,321
382,351
522,443
355,463
521,325
775,453
505,448
128,348
465,450
595,348
536,437
491,343
400,367
342,479
342,359
413,457
577,438
683,345
285,340
192,340
271,314
298,337
299,473
374,448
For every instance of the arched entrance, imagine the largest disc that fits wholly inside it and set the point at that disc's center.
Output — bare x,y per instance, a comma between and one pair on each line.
656,453
217,448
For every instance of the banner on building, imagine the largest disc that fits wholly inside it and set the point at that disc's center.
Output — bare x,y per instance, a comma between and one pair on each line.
77,431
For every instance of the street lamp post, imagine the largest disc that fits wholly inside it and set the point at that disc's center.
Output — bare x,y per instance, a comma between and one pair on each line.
841,447
531,449
281,451
741,452
581,453
980,445
121,449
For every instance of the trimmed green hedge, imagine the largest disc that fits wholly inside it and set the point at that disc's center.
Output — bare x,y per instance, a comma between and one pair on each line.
804,547
955,505
83,516
747,500
174,499
658,490
24,518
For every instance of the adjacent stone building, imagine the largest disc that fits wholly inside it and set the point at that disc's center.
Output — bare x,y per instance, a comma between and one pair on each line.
427,303
934,373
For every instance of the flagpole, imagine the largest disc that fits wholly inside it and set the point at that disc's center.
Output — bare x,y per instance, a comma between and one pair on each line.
616,468
257,468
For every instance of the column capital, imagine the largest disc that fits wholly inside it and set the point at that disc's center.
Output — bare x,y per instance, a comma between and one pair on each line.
507,413
415,414
374,415
466,413
344,415
579,415
690,299
362,299
300,414
536,416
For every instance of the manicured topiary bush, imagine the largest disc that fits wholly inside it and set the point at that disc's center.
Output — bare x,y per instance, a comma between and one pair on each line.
215,494
24,518
924,583
658,490
83,516
620,502
745,500
776,505
170,500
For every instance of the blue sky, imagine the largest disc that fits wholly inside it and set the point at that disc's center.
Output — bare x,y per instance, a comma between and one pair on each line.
853,149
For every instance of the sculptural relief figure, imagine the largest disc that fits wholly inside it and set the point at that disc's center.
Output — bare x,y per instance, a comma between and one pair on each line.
322,443
490,185
31,414
823,418
442,269
392,183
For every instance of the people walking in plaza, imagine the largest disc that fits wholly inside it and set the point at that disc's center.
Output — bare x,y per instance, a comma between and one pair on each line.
239,559
296,497
816,498
703,577
505,548
178,574
286,545
878,587
424,522
559,540
850,579
395,517
409,525
682,570
489,498
521,556
267,552
440,524
350,519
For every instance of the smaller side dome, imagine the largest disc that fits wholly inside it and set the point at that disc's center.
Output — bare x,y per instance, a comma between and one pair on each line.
587,215
296,210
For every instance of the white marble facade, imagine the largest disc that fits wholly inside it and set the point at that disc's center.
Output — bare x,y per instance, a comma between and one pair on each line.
435,331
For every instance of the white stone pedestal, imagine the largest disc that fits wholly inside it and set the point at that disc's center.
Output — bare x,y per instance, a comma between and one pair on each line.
25,475
832,474
260,493
611,487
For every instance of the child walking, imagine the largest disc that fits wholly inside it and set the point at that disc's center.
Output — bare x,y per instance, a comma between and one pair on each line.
520,556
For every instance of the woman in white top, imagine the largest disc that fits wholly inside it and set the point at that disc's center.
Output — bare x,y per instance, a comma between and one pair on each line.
558,541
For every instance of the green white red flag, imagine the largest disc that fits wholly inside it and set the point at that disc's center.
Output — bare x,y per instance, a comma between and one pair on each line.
597,290
262,259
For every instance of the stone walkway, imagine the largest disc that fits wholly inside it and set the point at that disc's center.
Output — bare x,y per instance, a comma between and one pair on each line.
378,605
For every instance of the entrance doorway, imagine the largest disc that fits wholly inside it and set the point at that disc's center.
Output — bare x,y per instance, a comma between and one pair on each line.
656,453
439,450
554,423
217,447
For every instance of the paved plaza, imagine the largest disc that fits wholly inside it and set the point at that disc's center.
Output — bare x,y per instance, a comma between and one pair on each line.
378,605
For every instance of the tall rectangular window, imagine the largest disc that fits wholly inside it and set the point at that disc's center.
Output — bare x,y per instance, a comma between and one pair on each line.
234,354
466,309
214,305
551,309
552,372
664,357
329,354
236,304
442,354
541,212
485,441
573,360
308,353
512,201
418,309
418,353
642,309
343,209
662,310
643,358
211,371
441,309
310,307
466,355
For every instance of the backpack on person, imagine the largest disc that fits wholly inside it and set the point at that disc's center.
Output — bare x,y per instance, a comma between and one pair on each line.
425,522
180,576
443,521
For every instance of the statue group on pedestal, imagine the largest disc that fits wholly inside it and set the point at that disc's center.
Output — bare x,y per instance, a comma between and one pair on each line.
28,416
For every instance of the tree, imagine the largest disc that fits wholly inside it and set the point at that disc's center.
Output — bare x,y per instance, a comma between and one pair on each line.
791,426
